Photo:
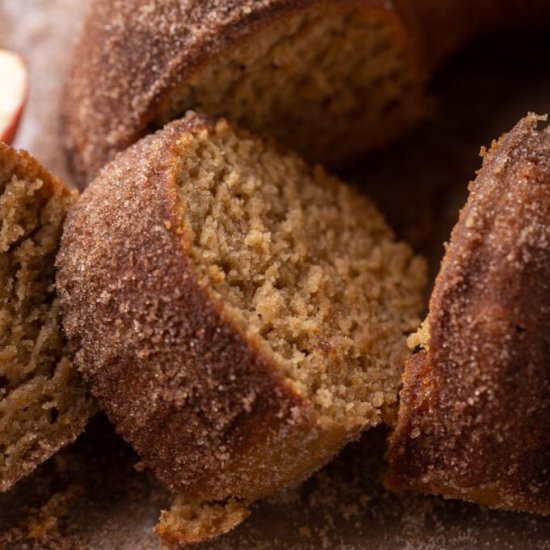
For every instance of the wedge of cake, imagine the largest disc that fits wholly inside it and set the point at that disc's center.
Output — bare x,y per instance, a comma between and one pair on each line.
326,78
474,420
239,314
43,401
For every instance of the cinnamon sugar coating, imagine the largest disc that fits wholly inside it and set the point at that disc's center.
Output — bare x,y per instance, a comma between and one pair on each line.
474,421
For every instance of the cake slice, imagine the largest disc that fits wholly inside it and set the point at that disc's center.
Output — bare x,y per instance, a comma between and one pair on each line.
43,402
328,78
239,314
474,420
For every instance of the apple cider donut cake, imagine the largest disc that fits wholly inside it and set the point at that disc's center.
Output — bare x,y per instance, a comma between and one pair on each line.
239,314
474,419
43,401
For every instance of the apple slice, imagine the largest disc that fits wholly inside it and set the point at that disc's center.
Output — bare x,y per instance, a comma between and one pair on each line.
13,93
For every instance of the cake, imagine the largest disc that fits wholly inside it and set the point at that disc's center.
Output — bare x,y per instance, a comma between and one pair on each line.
43,402
239,314
326,78
474,419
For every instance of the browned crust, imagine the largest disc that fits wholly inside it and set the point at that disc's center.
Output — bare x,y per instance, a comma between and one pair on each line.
131,54
203,408
475,415
22,165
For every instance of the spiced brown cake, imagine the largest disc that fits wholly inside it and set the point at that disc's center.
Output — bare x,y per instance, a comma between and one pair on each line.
239,314
43,402
474,420
327,78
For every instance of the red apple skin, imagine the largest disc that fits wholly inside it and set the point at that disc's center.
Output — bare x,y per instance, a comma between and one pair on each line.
17,69
10,132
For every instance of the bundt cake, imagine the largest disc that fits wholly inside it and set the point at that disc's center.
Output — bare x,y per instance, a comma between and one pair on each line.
43,402
239,314
474,419
328,78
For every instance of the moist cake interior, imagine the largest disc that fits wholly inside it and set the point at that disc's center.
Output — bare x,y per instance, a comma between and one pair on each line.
42,401
305,267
